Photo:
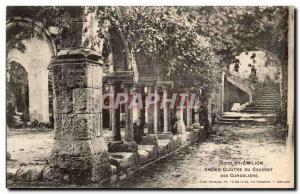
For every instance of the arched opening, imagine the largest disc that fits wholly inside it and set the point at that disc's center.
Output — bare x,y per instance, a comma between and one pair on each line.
17,92
119,51
31,45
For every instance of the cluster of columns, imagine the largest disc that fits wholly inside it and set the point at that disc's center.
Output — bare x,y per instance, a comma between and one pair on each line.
157,118
149,113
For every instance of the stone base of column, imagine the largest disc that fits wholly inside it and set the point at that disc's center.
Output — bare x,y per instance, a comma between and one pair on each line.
165,135
149,139
66,169
122,146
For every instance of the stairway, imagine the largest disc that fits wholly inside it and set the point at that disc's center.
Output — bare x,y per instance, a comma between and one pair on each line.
266,100
263,108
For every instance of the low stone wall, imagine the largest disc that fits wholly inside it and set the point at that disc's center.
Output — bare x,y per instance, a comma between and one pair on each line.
123,164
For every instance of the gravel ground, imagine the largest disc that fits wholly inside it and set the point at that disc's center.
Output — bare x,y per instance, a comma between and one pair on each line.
230,144
186,169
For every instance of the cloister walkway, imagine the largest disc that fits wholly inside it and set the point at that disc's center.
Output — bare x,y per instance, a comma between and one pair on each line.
186,169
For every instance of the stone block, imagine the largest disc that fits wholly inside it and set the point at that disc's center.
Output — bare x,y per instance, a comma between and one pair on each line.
76,76
188,136
83,128
122,160
59,82
120,146
99,145
151,149
171,146
143,156
87,100
77,126
64,101
57,126
149,139
67,162
177,141
30,173
65,147
94,74
165,136
163,146
79,147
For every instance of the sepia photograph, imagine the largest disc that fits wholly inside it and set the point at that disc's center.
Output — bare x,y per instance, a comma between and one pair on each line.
150,97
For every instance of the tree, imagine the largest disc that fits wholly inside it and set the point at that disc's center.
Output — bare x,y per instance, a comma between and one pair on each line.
192,44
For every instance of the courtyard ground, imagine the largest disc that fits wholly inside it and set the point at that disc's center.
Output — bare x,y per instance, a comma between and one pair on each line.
230,144
194,167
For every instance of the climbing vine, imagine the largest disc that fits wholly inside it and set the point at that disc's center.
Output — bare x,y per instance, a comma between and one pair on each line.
192,44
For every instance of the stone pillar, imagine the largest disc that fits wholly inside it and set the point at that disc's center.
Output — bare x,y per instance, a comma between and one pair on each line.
38,95
129,120
166,111
180,122
188,112
143,110
196,111
155,115
115,116
79,152
150,114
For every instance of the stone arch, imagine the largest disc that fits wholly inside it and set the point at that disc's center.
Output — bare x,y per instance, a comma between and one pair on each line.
119,50
37,67
17,92
36,26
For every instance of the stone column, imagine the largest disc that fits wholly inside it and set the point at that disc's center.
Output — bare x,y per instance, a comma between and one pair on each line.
150,114
155,115
180,122
115,116
143,110
166,111
129,120
188,112
196,111
79,152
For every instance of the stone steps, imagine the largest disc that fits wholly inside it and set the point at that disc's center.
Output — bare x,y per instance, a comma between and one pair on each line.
247,118
261,108
257,111
266,99
265,103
